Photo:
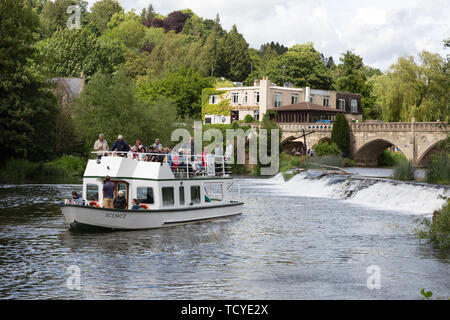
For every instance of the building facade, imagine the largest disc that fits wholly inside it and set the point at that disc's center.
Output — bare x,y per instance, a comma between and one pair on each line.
264,95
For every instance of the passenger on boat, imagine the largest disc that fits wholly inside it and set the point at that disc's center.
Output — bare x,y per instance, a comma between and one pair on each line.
120,145
160,155
101,145
204,155
108,193
157,144
120,202
77,199
136,205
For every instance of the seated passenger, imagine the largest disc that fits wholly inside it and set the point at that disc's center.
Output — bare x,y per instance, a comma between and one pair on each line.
77,199
120,202
136,205
120,146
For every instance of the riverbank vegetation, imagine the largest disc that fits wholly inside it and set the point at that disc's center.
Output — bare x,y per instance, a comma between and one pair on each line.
438,170
404,170
390,159
145,73
437,230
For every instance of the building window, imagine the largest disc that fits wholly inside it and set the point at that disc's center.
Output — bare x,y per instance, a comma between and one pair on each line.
195,194
256,96
354,106
212,99
92,192
167,196
181,194
234,97
246,97
341,104
326,101
256,114
294,99
311,99
277,100
145,195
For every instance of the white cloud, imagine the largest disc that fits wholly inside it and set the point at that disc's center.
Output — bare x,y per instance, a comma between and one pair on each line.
378,30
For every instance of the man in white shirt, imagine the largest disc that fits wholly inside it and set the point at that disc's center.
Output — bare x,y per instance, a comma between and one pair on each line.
100,145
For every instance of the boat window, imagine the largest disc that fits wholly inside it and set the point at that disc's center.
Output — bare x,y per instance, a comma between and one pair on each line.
145,195
92,192
195,194
181,191
214,191
167,196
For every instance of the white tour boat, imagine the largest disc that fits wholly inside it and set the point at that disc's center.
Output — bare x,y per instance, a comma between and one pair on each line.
168,196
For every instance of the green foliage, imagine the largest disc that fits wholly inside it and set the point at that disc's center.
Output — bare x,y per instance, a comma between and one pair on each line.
108,105
70,52
303,66
102,12
129,31
221,108
288,162
411,90
438,170
71,165
324,148
426,294
184,87
390,159
54,15
249,119
404,170
340,134
27,106
437,231
236,56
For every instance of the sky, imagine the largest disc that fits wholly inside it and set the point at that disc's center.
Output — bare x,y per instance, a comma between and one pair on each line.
378,30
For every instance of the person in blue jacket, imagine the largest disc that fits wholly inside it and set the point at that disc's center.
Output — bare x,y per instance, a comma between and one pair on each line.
120,145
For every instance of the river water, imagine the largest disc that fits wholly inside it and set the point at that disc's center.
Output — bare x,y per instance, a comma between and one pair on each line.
309,238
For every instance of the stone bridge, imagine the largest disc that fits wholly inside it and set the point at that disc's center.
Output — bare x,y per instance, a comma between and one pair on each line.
416,140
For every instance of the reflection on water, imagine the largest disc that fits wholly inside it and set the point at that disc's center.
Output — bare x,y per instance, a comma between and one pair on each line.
282,247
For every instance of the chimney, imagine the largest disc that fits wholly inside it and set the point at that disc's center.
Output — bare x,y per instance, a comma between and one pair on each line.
307,93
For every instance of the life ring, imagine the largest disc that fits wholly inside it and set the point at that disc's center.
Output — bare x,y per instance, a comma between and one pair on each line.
144,206
94,204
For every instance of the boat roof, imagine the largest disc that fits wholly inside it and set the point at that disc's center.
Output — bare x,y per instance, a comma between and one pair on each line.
127,168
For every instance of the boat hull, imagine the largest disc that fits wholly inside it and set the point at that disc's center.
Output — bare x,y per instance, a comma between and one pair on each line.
84,216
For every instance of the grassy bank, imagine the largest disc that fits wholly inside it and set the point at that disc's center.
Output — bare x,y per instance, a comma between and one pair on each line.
19,170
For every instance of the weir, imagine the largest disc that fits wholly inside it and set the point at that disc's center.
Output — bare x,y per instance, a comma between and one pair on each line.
385,194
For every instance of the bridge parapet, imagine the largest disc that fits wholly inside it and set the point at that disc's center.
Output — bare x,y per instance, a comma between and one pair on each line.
306,126
400,126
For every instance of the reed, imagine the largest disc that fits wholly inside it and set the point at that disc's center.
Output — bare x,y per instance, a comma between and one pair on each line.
438,170
404,171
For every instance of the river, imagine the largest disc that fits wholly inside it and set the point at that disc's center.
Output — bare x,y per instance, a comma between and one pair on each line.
308,238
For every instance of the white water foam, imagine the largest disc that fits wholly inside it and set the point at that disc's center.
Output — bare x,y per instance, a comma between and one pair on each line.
412,198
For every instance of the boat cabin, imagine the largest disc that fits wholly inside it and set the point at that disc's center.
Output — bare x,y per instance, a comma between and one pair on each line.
154,184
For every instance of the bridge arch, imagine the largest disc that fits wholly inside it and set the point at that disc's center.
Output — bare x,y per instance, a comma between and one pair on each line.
291,146
368,153
425,157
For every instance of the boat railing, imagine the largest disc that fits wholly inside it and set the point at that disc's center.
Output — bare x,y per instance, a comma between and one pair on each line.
182,165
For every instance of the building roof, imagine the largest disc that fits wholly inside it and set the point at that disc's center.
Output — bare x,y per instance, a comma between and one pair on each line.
72,85
306,106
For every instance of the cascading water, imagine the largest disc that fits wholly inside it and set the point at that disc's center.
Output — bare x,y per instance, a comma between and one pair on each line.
411,197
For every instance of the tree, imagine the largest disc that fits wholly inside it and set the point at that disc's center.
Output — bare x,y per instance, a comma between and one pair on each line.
108,105
236,54
183,87
54,15
301,65
27,106
350,74
101,13
70,52
126,29
340,134
411,90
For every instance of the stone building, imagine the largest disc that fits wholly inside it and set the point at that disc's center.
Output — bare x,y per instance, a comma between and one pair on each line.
264,95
